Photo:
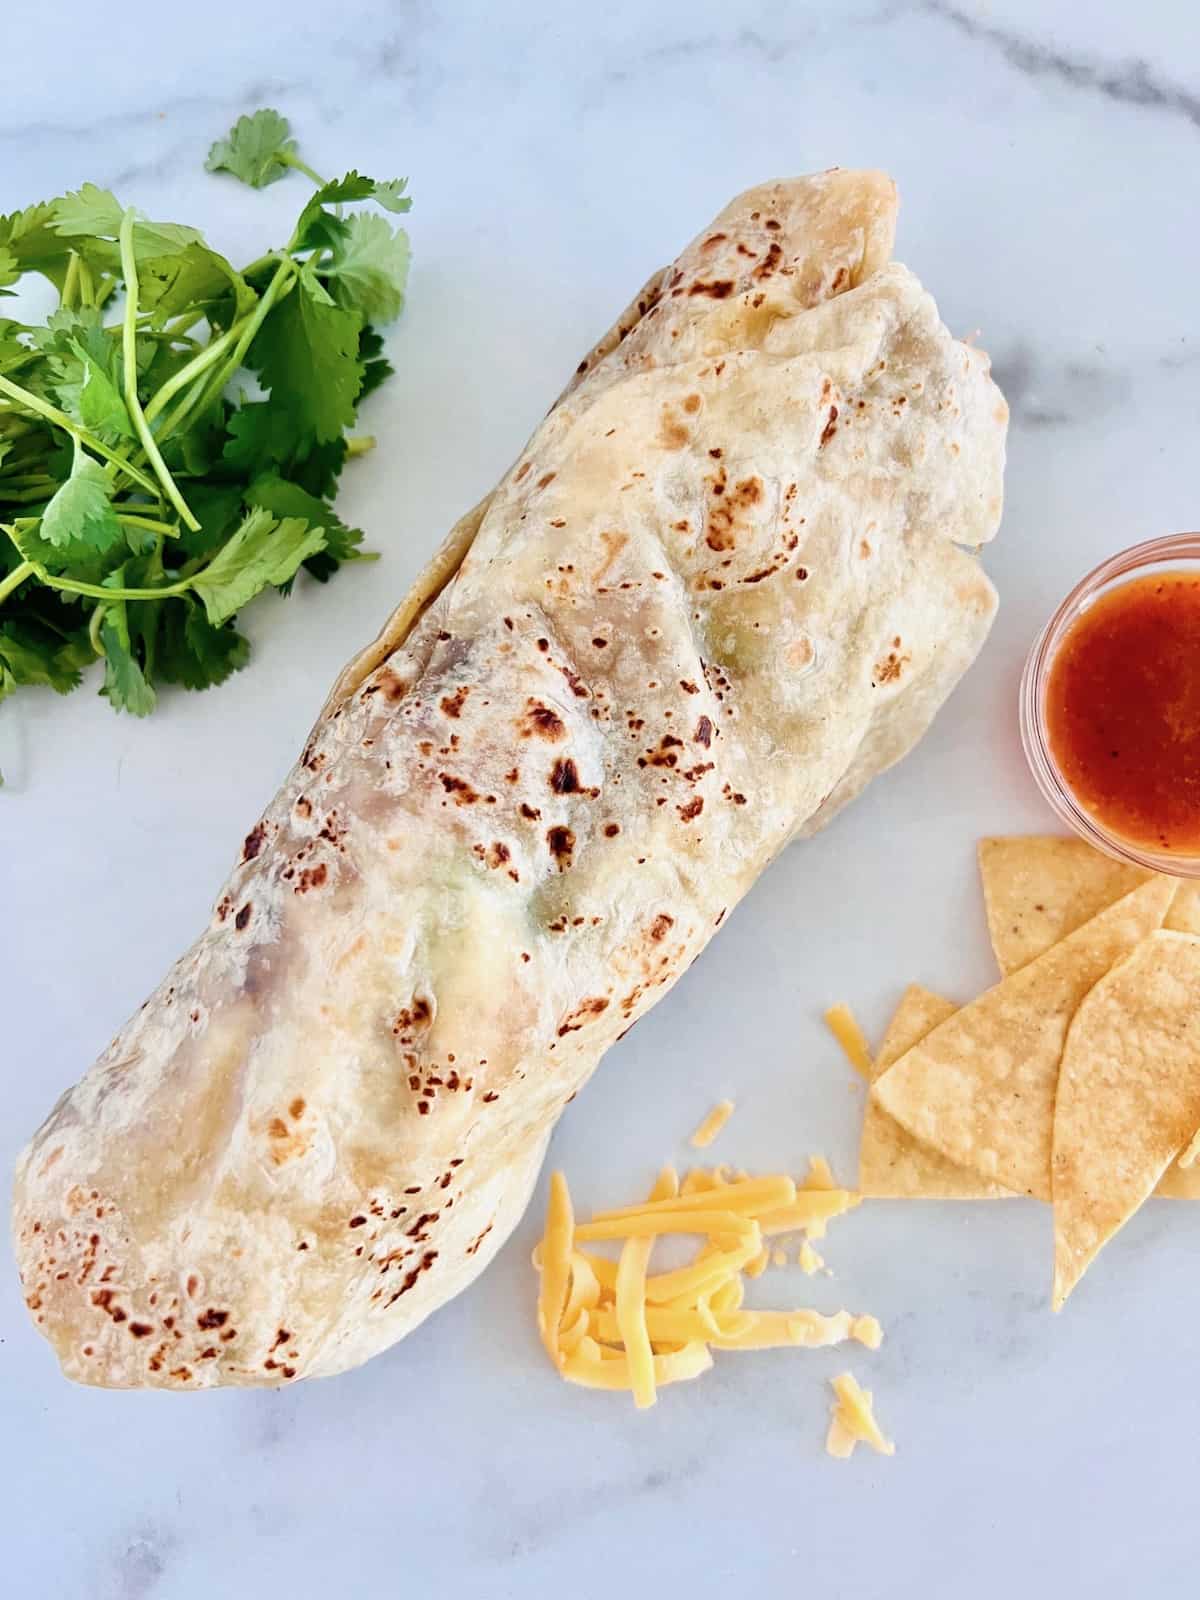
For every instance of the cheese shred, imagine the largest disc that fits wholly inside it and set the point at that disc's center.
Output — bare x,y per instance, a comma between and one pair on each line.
613,1324
841,1023
712,1125
853,1420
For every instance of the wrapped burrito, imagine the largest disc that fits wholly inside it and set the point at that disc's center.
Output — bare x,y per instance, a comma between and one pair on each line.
732,577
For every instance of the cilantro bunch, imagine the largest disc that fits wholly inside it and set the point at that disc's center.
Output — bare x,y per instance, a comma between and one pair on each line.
144,499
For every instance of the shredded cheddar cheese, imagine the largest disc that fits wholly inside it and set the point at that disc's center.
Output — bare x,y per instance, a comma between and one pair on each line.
853,1420
712,1125
808,1260
556,1266
630,1316
840,1021
819,1174
613,1324
748,1197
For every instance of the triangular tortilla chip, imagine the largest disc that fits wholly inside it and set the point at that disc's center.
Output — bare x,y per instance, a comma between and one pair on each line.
1184,915
980,1088
1128,1097
1038,888
892,1164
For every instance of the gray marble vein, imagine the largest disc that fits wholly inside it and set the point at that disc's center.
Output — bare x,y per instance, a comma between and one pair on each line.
1131,83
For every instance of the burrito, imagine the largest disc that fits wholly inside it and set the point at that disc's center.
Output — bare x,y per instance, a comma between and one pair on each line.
732,576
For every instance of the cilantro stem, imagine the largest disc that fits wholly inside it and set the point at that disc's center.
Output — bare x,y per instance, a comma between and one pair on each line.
149,523
16,578
358,444
129,349
43,408
203,394
211,352
26,497
87,289
74,586
71,281
289,160
94,626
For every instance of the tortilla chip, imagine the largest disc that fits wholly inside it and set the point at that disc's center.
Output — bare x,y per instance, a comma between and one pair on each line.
1128,1097
892,1164
1035,888
980,1088
1040,888
1184,915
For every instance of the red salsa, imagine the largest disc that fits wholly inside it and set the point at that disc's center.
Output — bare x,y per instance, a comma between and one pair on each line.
1123,711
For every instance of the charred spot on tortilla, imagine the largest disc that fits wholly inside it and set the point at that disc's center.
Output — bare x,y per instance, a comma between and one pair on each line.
253,842
587,1011
561,841
459,788
564,777
542,722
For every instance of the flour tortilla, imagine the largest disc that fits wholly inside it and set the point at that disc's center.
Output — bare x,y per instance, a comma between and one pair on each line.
980,1088
1128,1097
731,577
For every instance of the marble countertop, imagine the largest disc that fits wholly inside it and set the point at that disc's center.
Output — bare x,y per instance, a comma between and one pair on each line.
1047,160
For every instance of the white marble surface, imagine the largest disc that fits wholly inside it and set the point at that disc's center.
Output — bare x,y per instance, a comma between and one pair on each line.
1047,157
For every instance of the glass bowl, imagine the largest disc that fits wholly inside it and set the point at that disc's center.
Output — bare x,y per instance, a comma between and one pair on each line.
1177,552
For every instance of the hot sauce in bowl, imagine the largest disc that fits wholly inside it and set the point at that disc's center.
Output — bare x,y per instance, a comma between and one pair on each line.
1110,706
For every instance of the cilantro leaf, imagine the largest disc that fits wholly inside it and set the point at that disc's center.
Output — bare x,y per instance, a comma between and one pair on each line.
255,149
319,468
88,210
100,406
217,507
10,268
260,432
194,654
81,508
29,656
370,268
391,196
92,217
194,278
29,236
76,556
285,499
317,226
306,353
376,367
263,551
124,681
